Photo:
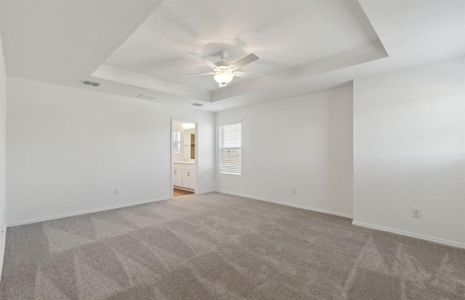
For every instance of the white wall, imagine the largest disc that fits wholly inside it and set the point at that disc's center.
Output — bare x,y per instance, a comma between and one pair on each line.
68,149
303,143
2,156
409,151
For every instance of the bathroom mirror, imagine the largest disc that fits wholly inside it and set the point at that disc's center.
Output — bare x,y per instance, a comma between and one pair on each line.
189,145
192,145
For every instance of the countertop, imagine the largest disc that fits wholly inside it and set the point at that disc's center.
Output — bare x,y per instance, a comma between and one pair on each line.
185,162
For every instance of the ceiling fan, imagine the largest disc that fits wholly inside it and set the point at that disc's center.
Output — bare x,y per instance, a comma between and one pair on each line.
223,73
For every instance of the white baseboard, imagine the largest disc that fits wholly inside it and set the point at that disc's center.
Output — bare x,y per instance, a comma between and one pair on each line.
357,223
410,234
315,209
2,247
81,212
90,211
205,191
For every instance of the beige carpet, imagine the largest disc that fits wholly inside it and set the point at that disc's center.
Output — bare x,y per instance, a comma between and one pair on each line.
217,246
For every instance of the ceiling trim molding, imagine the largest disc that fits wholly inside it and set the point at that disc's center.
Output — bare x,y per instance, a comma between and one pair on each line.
136,79
365,53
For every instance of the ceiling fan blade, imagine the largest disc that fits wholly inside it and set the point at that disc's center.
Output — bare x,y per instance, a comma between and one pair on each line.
199,74
244,61
203,59
247,75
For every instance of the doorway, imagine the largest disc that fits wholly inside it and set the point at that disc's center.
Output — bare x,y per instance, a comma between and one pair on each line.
184,158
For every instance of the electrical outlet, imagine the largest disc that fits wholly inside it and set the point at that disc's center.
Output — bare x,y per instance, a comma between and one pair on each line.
116,191
294,191
416,213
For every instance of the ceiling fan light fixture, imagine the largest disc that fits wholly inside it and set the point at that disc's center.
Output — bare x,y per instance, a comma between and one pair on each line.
223,78
223,72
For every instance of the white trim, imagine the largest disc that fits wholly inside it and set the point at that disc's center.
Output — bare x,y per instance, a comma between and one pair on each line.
171,158
207,191
324,211
197,156
357,223
3,247
124,76
81,212
409,234
218,149
229,173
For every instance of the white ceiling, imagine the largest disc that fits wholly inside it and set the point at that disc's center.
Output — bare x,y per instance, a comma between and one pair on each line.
142,46
65,40
282,33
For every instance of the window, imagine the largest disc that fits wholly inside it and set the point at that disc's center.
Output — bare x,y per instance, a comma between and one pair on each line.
230,138
177,142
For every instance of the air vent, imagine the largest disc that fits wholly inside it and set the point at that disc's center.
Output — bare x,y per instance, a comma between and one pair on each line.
146,97
197,104
91,83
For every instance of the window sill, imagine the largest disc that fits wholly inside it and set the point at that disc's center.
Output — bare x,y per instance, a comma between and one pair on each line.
230,173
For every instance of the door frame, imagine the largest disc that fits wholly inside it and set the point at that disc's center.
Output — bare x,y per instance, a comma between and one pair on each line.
197,156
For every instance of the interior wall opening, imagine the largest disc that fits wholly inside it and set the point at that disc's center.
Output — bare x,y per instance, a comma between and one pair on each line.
184,158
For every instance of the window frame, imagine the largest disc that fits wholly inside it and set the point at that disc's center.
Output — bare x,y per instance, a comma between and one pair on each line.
176,150
221,148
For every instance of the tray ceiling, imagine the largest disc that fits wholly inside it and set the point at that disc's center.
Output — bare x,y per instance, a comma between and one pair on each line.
142,47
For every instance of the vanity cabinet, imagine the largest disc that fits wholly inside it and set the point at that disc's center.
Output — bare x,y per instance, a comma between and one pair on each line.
177,175
184,176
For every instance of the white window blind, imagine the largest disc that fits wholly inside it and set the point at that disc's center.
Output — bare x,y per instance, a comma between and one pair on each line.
230,138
